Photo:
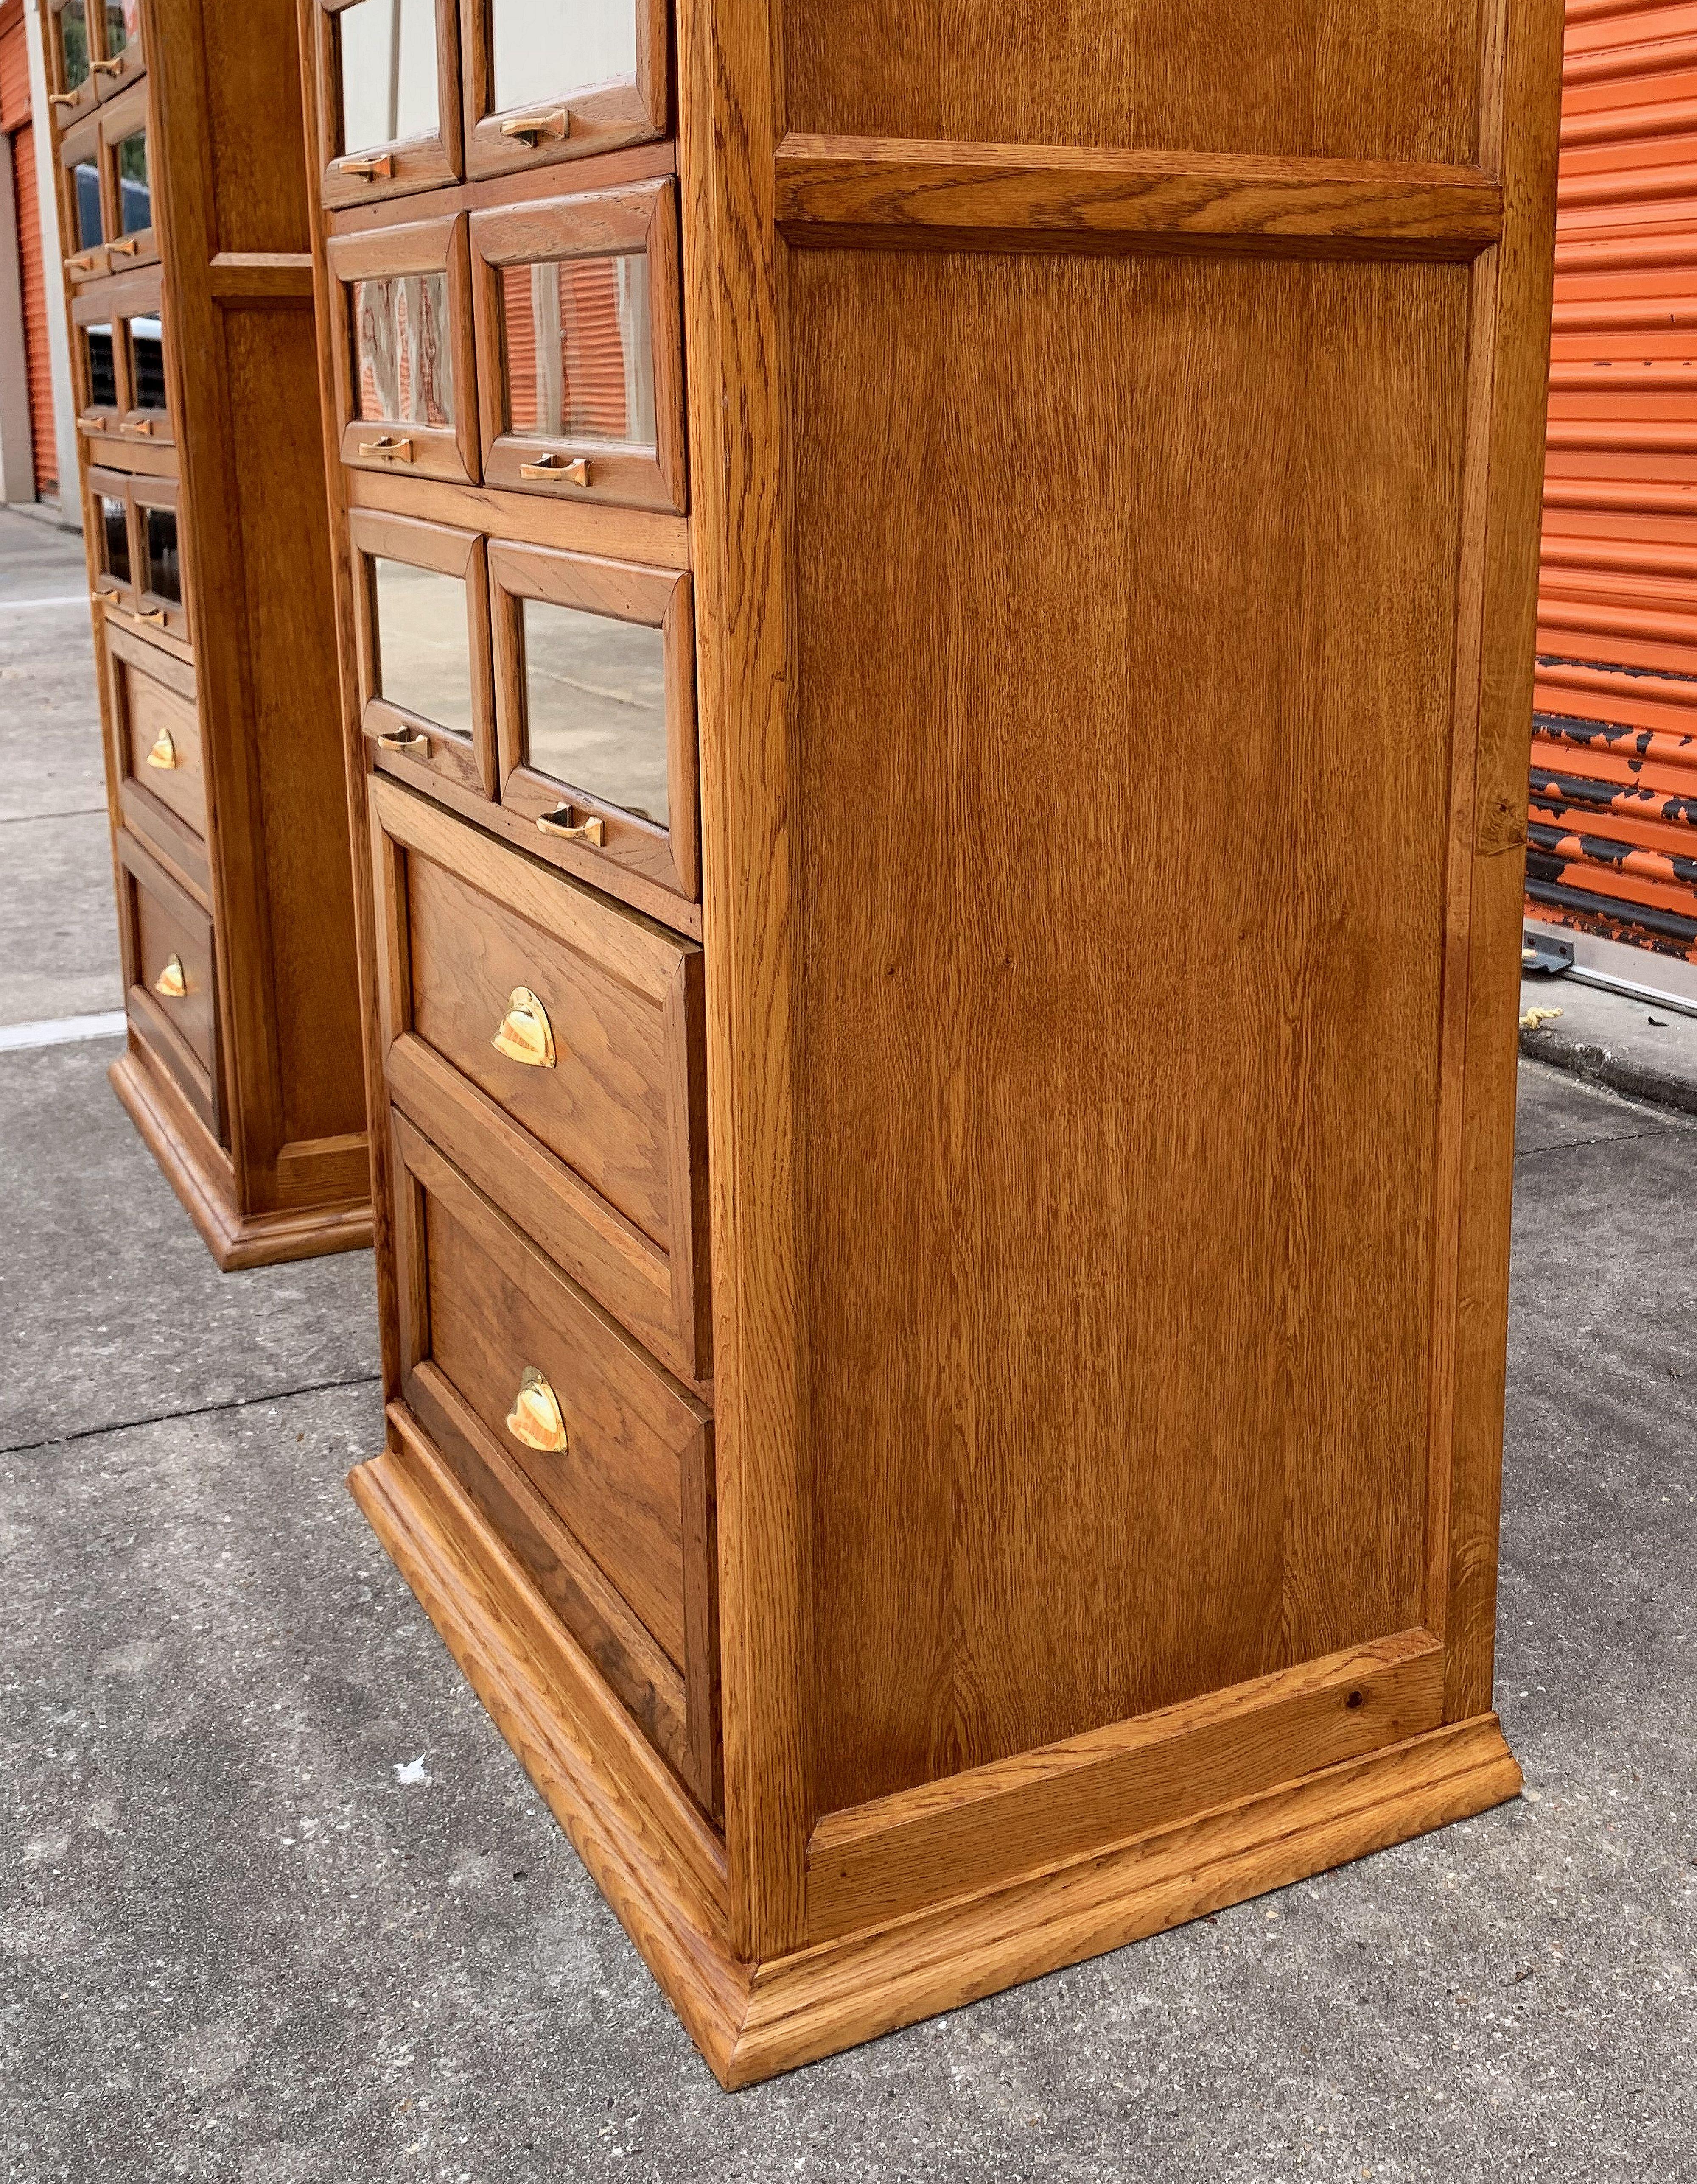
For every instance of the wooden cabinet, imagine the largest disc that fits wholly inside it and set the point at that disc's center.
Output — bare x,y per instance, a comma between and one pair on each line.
185,210
945,1371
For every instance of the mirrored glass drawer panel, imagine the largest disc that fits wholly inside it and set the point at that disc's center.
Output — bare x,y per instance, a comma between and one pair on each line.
72,44
405,369
162,573
113,537
159,579
596,705
390,111
100,372
422,637
579,347
547,82
135,190
148,415
403,356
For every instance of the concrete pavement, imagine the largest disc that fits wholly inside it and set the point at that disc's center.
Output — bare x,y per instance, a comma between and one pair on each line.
233,1946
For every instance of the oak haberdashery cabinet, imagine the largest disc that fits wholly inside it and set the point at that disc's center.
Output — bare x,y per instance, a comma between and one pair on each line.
935,613
187,222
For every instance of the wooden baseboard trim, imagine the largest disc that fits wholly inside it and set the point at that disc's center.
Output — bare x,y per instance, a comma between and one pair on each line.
752,2021
235,1240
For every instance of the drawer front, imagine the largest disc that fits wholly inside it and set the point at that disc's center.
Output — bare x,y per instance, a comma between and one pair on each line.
170,976
161,730
553,1043
595,1466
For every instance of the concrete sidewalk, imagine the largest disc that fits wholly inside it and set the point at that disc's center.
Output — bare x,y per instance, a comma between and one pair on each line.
237,1948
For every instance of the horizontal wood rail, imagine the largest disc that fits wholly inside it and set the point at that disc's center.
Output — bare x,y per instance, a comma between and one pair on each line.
879,1861
891,193
243,276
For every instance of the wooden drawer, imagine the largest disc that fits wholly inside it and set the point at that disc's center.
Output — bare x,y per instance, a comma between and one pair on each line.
170,975
596,1145
156,721
594,1465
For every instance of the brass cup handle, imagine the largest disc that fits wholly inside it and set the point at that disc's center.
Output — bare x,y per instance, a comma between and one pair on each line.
524,1033
391,449
377,168
531,128
535,1417
593,831
405,739
164,753
576,472
172,982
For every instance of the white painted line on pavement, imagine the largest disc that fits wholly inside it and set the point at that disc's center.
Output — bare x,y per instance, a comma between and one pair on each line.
59,1031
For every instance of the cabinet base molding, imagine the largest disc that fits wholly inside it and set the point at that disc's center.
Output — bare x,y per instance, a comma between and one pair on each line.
200,1172
662,1869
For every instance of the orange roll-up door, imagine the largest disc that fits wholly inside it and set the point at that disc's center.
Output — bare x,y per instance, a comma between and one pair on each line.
14,120
1613,814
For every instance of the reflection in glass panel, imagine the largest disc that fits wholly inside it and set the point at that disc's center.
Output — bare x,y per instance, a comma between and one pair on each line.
388,72
580,357
424,649
73,43
117,28
135,198
543,51
91,227
103,368
132,21
147,362
114,538
403,365
594,701
163,574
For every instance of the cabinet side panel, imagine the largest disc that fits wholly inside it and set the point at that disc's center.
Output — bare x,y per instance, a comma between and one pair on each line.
295,724
1126,603
1373,80
253,127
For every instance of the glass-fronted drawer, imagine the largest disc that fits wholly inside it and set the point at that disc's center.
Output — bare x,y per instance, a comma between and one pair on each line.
111,527
401,329
161,598
545,82
421,633
388,97
594,665
117,25
580,348
84,222
128,179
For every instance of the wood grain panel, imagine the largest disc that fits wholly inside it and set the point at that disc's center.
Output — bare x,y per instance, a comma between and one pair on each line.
1121,857
1369,79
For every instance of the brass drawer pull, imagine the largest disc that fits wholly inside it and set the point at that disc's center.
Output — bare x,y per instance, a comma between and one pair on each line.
392,450
406,739
576,472
142,426
376,169
172,981
106,68
524,1033
154,617
164,753
83,262
127,246
534,1419
530,128
560,822
64,98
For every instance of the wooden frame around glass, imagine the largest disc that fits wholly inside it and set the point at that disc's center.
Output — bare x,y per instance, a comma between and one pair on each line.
421,247
120,119
91,308
118,67
597,224
145,299
362,174
668,856
113,485
66,102
158,609
79,146
411,745
574,125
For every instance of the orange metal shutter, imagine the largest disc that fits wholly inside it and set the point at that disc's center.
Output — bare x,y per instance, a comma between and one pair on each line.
1613,817
14,117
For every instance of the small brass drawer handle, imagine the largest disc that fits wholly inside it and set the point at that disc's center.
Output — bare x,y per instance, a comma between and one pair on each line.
560,822
106,68
530,128
524,1033
128,245
64,98
378,170
154,617
142,427
535,1419
406,739
392,450
164,753
83,262
172,981
576,472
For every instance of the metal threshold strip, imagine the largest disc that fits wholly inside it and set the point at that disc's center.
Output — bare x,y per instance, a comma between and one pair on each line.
1589,962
